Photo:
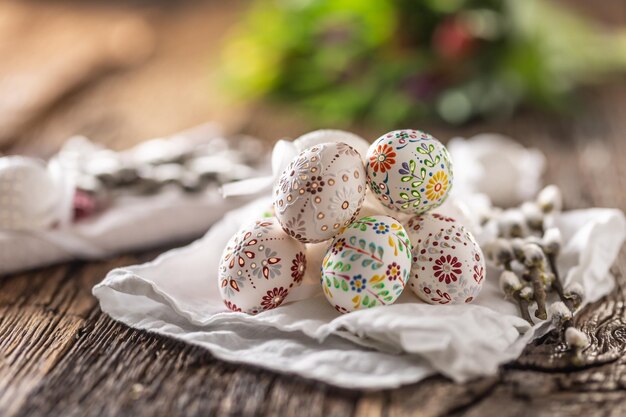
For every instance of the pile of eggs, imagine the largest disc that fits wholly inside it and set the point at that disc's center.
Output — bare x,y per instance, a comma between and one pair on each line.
370,259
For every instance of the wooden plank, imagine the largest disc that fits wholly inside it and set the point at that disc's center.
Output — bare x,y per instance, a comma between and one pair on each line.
40,314
114,370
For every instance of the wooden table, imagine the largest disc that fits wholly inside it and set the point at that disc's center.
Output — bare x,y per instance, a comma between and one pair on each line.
61,356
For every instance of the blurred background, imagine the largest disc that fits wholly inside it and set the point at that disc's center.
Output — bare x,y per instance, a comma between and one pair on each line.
124,71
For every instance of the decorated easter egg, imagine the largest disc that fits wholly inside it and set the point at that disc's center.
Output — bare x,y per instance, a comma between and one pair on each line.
30,195
259,266
409,171
448,265
320,192
367,265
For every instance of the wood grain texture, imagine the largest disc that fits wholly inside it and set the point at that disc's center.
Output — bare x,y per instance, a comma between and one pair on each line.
41,314
60,356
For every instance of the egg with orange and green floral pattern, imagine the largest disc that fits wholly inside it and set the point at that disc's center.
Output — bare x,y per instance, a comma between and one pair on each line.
448,265
367,265
259,267
409,171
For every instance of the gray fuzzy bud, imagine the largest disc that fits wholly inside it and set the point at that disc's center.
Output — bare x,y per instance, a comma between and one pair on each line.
550,199
552,241
533,254
500,251
575,289
517,245
576,339
534,239
559,311
576,293
512,223
526,293
505,249
533,214
509,282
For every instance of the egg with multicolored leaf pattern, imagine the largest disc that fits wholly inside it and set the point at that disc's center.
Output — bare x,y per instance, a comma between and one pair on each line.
448,265
259,267
409,171
367,265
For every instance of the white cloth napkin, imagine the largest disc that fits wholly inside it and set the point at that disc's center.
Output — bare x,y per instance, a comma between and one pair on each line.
385,347
129,224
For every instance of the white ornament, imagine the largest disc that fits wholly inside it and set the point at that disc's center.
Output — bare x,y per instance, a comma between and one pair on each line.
31,196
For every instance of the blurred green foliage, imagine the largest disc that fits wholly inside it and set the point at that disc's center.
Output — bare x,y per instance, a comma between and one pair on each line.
389,61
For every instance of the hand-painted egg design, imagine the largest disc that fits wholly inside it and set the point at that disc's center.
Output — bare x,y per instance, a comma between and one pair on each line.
320,192
259,267
409,171
448,265
367,265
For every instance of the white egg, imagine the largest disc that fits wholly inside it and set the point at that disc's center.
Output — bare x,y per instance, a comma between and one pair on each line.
30,196
332,135
259,266
448,265
367,265
409,171
320,192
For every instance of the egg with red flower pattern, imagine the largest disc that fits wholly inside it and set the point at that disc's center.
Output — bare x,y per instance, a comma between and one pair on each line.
259,266
448,265
409,171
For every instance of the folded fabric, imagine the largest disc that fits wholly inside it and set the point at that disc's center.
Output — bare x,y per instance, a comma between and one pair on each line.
128,224
384,347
